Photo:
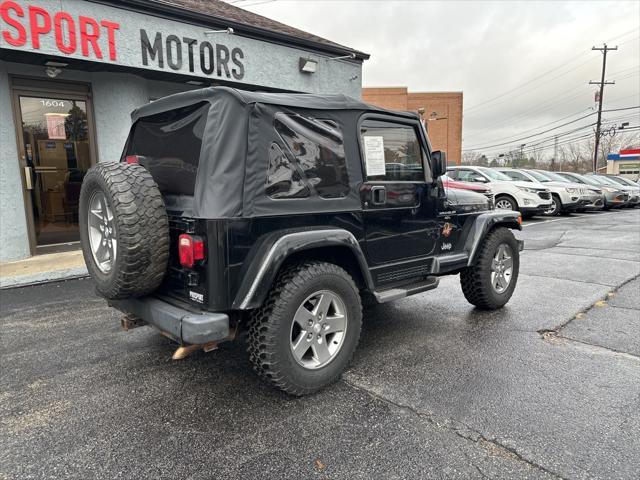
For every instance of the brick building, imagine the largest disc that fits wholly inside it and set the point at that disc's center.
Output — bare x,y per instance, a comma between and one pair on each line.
442,113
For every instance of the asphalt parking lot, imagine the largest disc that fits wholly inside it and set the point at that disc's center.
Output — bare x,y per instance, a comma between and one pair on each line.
548,387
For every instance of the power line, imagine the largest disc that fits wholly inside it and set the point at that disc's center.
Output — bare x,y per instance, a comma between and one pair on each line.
257,3
545,131
570,70
538,146
549,104
559,67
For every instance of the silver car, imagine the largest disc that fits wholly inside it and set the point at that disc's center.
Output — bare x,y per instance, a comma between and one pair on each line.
601,197
628,186
613,195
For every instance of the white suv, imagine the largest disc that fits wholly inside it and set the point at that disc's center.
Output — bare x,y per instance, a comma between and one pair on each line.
524,197
566,196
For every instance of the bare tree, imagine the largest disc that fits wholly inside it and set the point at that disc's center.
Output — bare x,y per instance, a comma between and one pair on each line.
471,157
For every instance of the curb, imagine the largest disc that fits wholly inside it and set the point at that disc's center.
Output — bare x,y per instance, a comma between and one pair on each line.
43,277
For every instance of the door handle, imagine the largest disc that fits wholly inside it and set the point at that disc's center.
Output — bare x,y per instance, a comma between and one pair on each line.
28,177
378,195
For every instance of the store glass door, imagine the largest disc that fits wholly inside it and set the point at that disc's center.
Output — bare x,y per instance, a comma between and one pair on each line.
56,152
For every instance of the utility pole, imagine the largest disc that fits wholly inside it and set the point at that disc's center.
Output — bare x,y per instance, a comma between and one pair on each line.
604,49
555,153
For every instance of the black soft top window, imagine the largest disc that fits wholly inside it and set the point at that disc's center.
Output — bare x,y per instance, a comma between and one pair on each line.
169,144
311,159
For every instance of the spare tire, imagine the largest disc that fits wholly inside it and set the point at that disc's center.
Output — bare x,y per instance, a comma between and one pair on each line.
124,230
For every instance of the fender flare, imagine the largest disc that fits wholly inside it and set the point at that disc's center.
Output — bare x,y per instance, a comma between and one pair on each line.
268,255
483,224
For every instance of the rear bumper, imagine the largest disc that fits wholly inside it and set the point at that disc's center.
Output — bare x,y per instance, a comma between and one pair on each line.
182,325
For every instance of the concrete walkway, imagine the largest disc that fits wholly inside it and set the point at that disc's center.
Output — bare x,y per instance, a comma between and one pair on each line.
42,268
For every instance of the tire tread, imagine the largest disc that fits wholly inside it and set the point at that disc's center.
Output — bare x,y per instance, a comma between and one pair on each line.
265,320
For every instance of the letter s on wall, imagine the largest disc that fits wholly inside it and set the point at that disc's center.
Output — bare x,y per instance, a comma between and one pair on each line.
236,56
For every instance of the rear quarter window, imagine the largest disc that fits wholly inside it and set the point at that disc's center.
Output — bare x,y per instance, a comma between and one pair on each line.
311,159
169,144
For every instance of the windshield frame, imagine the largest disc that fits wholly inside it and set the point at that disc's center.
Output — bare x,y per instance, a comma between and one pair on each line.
623,181
538,176
585,179
554,177
494,174
606,182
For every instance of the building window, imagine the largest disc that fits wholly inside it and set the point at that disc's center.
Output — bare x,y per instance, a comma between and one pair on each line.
312,159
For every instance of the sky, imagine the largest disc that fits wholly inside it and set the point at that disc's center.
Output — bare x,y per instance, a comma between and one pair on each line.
521,65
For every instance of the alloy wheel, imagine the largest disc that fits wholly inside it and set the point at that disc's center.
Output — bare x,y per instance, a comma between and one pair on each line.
502,268
318,329
102,232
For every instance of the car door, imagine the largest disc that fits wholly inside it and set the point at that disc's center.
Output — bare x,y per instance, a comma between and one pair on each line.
398,199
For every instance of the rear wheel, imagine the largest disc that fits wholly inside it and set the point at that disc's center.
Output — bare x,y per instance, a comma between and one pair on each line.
124,230
304,335
490,283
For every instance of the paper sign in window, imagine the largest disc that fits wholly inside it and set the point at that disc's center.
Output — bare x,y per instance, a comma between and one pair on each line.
374,155
55,126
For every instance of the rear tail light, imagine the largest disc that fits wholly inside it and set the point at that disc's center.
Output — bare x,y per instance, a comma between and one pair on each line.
132,159
190,250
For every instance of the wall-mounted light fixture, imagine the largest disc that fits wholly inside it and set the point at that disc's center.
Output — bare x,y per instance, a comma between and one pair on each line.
308,65
351,56
53,69
228,30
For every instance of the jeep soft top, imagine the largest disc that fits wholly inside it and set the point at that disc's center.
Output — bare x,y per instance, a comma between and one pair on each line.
282,214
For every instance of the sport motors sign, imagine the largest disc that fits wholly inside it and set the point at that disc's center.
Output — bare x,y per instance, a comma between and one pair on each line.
35,27
96,32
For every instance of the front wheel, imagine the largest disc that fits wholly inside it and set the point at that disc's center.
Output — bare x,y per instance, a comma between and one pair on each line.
555,207
304,335
490,283
505,203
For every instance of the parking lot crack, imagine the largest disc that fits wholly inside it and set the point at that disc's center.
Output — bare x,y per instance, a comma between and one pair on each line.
551,332
553,336
559,278
458,428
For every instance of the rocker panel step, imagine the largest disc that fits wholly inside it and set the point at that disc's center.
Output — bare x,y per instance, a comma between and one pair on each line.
395,293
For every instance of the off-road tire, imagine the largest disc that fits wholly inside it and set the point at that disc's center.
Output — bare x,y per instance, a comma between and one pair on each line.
476,279
141,225
270,327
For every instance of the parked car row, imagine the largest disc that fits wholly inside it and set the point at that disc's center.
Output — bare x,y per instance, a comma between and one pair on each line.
539,192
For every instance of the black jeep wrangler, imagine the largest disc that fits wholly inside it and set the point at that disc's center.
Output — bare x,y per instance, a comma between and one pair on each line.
282,213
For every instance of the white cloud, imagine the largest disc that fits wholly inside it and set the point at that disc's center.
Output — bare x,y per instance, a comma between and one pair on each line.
485,49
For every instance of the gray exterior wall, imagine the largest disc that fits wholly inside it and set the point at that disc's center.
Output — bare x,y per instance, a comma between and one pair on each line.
265,64
14,241
115,95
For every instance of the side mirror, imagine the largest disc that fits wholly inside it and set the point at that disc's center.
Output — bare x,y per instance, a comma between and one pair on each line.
438,163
